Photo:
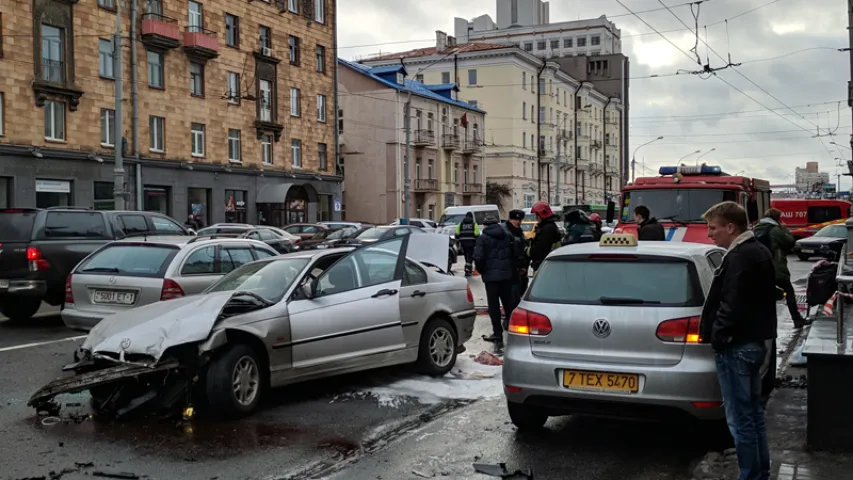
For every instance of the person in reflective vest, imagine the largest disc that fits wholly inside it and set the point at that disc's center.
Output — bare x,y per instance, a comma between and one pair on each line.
466,234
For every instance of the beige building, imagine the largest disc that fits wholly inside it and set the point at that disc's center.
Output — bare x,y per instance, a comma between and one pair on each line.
445,146
228,107
549,136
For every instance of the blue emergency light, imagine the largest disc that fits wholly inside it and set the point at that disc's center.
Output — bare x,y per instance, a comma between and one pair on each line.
691,170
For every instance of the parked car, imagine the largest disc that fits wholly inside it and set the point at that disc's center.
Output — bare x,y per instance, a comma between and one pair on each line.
329,238
426,224
40,247
614,330
276,238
133,272
340,225
305,230
826,243
274,322
383,232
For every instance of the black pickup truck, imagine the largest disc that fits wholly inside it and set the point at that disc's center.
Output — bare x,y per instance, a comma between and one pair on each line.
40,247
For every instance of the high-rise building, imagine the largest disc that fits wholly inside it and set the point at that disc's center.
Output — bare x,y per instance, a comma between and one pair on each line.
809,179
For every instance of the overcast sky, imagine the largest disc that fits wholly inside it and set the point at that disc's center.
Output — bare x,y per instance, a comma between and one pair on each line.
691,113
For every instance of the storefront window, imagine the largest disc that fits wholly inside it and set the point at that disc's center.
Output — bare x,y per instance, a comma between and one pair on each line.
296,204
53,193
156,199
198,200
104,199
325,211
235,206
5,192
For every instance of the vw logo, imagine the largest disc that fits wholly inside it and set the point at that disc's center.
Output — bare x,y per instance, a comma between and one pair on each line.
112,280
601,328
125,344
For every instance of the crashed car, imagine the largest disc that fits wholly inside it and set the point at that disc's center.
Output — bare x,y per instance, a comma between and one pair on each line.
274,322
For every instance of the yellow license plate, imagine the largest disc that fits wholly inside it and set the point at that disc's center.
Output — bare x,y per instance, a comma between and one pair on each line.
617,382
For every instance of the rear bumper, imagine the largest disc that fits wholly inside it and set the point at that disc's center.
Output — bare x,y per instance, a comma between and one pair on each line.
664,391
464,321
79,320
25,288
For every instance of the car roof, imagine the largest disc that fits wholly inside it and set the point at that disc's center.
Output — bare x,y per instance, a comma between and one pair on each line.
314,253
687,250
181,241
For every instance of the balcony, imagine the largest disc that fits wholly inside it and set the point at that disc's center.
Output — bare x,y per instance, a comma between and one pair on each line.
472,189
595,144
201,43
426,185
160,32
424,138
583,164
471,146
450,141
612,173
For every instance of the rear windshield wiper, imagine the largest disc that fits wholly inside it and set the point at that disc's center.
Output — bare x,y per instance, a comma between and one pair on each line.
626,301
101,269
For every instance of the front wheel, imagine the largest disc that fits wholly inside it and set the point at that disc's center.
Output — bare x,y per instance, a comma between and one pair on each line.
19,309
526,418
437,350
234,382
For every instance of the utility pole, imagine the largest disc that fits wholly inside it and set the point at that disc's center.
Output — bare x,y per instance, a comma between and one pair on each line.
850,82
118,170
404,219
559,165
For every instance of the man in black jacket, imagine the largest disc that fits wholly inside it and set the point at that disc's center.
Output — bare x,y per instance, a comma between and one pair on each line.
495,260
648,228
738,317
522,263
547,235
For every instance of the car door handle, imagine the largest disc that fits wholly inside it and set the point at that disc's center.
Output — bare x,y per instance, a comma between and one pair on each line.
383,292
419,293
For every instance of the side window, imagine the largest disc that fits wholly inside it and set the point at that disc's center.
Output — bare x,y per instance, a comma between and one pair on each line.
413,274
372,265
262,253
417,223
310,229
74,225
200,262
267,235
232,257
399,232
167,226
254,236
823,214
294,229
715,259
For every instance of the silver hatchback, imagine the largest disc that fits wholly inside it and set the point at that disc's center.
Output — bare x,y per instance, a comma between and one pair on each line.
138,271
613,329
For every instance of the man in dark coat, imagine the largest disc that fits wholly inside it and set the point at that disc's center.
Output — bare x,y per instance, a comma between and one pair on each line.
547,235
495,260
522,263
648,228
580,229
466,233
772,234
738,318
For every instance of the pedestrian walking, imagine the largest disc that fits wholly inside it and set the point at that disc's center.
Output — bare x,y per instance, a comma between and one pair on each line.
494,259
522,263
738,317
580,229
771,233
466,234
547,235
648,227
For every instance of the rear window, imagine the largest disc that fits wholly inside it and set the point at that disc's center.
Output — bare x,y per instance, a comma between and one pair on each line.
74,225
16,226
129,260
650,281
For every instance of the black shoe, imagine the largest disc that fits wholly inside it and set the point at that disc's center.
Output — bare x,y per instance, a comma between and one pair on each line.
493,338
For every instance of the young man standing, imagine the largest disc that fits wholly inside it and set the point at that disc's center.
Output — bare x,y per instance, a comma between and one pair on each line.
771,233
648,228
494,257
738,317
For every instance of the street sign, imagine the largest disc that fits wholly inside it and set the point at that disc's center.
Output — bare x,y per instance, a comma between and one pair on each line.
337,204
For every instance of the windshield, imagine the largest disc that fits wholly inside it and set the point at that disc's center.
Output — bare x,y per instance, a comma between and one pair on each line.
341,234
677,204
834,231
479,217
130,260
321,234
527,227
372,233
268,279
530,217
450,219
16,226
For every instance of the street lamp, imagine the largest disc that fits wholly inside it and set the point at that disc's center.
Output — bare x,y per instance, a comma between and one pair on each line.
706,153
693,153
634,156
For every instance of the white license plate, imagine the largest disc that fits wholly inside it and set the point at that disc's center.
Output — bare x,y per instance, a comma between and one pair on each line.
4,283
115,298
807,251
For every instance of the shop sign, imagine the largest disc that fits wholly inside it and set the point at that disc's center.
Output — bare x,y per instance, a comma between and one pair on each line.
53,186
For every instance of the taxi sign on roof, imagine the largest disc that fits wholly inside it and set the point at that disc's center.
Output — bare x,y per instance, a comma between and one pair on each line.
618,240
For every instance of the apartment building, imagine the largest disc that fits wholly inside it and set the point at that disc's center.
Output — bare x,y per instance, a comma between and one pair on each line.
445,144
549,136
228,108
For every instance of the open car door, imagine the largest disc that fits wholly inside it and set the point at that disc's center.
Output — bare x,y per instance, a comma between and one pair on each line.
431,249
353,310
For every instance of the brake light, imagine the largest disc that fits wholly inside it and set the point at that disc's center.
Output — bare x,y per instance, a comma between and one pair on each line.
297,241
69,295
524,322
171,290
470,295
37,261
680,330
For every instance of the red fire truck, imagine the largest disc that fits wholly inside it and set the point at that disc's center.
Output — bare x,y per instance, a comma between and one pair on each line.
680,195
805,216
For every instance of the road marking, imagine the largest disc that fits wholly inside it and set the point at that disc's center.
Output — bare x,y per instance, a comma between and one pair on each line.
39,344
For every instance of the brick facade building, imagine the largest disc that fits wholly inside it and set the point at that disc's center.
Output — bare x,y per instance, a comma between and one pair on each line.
232,116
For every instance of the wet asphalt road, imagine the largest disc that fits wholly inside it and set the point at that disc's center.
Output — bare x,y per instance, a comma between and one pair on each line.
307,427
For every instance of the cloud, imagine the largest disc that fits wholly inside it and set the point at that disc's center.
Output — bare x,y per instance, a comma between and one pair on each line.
788,50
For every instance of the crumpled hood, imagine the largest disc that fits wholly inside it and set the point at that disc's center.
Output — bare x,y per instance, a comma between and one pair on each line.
151,329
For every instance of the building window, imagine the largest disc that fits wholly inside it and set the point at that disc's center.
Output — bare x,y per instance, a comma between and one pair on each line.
235,206
196,79
321,59
2,118
445,77
197,201
296,152
320,11
540,45
154,7
295,108
528,46
108,120
322,157
232,30
430,120
52,54
234,151
555,44
266,100
105,200
265,36
513,12
197,140
595,40
523,139
293,44
105,57
157,134
419,78
431,169
54,120
472,77
321,108
541,86
53,193
524,80
108,4
234,88
456,174
293,5
266,149
473,103
528,200
196,17
541,114
524,110
581,42
567,43
155,70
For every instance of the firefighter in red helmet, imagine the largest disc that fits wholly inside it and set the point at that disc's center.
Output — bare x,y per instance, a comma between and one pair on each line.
547,234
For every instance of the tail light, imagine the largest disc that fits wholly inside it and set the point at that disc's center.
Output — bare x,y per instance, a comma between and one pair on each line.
297,241
171,290
69,295
37,261
470,295
680,330
524,322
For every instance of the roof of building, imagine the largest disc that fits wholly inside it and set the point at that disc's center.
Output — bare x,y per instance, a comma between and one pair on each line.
425,52
434,92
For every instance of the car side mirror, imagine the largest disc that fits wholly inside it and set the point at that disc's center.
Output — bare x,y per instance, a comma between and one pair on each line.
611,211
308,289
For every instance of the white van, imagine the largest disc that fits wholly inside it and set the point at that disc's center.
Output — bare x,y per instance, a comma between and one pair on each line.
453,216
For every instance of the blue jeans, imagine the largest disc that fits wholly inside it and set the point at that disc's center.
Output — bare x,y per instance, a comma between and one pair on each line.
738,370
